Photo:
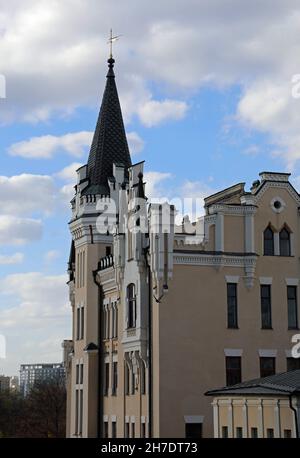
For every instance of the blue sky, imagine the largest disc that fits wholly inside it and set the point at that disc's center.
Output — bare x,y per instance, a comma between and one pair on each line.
207,99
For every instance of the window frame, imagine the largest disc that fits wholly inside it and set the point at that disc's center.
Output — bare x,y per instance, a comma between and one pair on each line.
266,324
232,308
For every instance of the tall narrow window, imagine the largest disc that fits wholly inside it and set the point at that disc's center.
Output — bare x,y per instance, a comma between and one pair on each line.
133,430
233,370
105,430
76,411
266,309
239,433
132,382
142,377
78,323
81,412
115,379
143,430
113,429
224,432
82,323
106,379
131,301
126,429
267,366
232,314
127,379
268,242
292,307
285,242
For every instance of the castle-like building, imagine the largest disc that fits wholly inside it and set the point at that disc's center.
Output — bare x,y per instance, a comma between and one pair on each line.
163,313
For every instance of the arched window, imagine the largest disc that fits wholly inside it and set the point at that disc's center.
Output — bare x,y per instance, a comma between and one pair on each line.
268,242
131,308
284,242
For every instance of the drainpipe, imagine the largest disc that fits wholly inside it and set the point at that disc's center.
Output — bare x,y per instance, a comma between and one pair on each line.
295,414
150,383
100,382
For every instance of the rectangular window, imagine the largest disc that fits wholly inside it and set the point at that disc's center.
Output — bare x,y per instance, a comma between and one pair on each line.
292,364
193,430
82,324
78,323
105,430
77,374
115,379
132,382
239,433
133,430
108,250
267,366
143,430
266,310
106,379
233,370
270,433
113,429
81,374
287,434
127,379
76,411
292,307
225,432
232,312
127,430
81,412
254,433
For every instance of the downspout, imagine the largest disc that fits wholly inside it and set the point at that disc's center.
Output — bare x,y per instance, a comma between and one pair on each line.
295,414
100,382
150,383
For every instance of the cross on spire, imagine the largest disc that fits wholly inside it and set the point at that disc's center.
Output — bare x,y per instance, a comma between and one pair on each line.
111,40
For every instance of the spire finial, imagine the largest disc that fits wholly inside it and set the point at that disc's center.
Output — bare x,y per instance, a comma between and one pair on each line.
111,40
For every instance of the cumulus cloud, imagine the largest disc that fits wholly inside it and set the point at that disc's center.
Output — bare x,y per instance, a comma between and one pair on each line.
41,300
154,112
47,146
154,181
26,193
19,231
69,173
51,256
135,143
16,258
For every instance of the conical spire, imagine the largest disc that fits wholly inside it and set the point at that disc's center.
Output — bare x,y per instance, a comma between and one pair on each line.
109,144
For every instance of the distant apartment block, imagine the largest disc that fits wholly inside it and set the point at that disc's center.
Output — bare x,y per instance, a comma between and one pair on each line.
4,383
31,374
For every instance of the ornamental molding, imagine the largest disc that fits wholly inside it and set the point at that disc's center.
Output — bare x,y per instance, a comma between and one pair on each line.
215,260
233,210
277,185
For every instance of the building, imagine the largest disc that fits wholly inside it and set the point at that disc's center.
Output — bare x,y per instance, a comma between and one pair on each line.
31,374
164,312
14,384
267,407
4,383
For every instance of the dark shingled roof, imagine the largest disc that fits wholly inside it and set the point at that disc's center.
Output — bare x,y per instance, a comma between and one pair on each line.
109,143
285,383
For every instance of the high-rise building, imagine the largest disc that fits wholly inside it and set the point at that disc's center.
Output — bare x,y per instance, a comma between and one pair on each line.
162,312
4,383
31,374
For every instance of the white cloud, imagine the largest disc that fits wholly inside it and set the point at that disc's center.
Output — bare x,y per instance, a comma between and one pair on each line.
25,194
16,258
154,181
51,256
135,143
69,173
41,300
19,231
154,112
47,146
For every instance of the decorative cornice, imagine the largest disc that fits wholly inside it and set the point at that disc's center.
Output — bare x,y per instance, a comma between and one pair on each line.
239,210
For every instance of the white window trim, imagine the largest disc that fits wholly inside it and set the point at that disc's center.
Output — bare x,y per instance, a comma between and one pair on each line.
232,278
194,418
267,353
265,280
292,281
233,352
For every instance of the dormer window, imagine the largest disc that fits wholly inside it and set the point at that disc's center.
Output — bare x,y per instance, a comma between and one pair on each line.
268,242
285,242
131,306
